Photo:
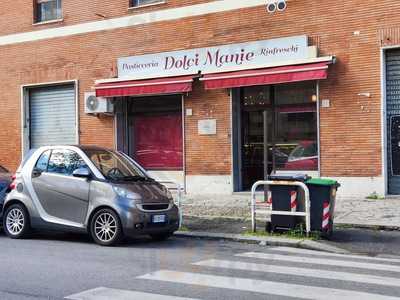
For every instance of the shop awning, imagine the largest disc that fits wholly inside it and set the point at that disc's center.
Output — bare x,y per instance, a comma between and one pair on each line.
170,85
293,73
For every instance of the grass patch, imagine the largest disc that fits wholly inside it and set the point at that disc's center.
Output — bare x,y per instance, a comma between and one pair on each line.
375,196
298,233
184,228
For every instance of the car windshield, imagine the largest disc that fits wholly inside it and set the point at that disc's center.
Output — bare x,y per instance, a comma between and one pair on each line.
115,166
305,149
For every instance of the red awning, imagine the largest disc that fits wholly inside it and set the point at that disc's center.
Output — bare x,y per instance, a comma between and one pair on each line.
170,85
293,73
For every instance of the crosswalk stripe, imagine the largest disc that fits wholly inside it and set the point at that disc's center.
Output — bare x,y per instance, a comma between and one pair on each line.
102,293
264,287
295,271
312,252
321,261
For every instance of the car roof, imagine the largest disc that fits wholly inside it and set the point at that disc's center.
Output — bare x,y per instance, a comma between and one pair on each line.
82,147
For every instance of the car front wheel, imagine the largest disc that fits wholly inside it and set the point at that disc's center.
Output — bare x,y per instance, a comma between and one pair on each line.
16,222
105,228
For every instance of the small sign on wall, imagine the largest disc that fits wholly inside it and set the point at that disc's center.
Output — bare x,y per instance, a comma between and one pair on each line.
207,127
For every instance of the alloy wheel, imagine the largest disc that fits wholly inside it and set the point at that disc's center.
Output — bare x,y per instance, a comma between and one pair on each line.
15,221
105,227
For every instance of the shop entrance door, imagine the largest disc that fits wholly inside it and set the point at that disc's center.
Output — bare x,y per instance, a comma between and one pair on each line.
275,130
394,154
255,124
393,120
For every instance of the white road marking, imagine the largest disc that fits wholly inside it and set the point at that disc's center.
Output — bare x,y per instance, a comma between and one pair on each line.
312,252
102,293
321,261
264,287
323,274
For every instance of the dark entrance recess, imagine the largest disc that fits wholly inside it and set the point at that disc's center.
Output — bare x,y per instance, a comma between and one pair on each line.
395,145
283,117
149,129
393,120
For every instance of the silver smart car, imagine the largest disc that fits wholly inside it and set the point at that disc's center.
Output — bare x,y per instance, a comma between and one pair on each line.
88,189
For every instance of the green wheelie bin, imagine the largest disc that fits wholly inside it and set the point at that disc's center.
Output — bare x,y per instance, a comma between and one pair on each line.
322,198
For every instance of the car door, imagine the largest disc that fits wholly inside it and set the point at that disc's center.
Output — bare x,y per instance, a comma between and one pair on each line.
60,193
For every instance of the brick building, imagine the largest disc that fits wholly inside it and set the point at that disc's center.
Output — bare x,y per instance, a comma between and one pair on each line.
197,88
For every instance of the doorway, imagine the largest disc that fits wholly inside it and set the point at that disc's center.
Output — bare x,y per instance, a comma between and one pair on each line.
276,128
393,121
150,130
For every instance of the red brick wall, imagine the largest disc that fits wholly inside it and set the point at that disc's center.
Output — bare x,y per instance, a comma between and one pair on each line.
18,15
350,128
208,154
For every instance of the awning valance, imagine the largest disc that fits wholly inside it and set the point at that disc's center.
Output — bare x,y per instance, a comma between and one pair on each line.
159,86
285,74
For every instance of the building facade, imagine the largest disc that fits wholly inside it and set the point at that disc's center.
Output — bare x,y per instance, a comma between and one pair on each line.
195,90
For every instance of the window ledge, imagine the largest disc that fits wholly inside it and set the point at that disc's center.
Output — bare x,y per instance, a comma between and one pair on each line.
48,22
147,5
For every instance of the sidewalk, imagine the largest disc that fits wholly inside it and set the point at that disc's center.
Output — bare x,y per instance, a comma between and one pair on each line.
380,213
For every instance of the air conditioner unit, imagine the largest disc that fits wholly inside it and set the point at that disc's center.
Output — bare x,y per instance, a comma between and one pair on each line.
97,105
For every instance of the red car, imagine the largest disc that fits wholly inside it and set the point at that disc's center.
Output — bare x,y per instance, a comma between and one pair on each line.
303,157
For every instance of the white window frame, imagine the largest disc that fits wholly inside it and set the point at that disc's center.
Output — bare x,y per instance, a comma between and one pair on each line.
133,5
36,7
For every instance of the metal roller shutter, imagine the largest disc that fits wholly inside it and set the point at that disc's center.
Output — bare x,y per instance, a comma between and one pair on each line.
52,116
393,117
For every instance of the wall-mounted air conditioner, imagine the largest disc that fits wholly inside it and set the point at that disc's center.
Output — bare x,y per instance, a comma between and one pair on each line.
97,105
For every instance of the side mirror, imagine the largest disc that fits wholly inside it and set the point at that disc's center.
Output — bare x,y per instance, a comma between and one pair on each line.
81,172
36,173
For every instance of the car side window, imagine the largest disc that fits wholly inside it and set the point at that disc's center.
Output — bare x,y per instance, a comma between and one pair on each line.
43,161
65,162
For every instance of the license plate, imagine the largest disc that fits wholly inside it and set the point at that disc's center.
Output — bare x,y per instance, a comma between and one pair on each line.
159,218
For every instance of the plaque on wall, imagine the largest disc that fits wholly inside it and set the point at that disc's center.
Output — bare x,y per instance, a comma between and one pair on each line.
207,127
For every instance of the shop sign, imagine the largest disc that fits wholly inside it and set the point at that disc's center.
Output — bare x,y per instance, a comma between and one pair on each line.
214,59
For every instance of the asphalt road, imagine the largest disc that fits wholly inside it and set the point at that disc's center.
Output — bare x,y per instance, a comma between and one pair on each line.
367,241
54,266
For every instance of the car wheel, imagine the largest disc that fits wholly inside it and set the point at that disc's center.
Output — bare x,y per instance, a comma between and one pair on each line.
161,236
16,223
105,228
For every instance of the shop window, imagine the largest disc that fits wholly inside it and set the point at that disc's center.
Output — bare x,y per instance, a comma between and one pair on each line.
136,3
47,10
296,145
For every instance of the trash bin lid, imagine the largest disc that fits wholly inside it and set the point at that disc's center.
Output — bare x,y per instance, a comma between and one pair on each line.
323,181
296,177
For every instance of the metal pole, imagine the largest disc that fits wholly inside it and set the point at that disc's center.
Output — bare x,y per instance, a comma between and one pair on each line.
305,214
180,205
266,188
265,117
253,207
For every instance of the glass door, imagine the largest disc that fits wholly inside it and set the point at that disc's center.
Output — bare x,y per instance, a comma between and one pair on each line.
254,102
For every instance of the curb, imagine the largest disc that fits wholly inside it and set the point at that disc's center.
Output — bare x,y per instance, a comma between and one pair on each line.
337,223
367,226
264,241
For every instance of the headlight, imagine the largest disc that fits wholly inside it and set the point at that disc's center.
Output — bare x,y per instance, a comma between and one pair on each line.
168,194
124,193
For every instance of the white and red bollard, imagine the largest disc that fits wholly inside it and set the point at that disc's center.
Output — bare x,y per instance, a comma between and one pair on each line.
269,198
325,216
293,201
